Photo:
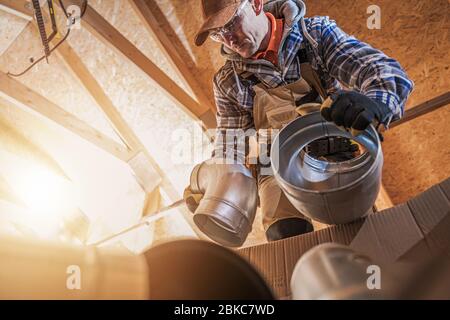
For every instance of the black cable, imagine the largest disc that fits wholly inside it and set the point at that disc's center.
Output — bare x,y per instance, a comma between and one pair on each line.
83,11
41,58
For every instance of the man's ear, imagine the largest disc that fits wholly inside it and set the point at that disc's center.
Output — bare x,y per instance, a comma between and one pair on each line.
257,6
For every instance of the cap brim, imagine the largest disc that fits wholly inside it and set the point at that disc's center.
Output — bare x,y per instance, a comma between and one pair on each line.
218,20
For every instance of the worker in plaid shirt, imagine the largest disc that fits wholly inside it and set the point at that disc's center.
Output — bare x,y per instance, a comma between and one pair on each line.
276,60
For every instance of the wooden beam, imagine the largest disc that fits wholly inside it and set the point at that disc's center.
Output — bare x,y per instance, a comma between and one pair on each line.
14,142
424,108
20,8
104,25
146,169
18,93
150,16
76,66
109,35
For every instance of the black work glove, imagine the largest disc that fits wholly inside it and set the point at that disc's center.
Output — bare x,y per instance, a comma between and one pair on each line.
353,110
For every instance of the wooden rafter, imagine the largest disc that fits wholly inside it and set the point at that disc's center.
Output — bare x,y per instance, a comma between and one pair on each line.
109,35
18,93
23,9
424,108
137,156
146,169
151,16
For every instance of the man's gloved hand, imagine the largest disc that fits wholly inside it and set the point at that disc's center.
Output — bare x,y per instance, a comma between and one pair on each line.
353,110
191,199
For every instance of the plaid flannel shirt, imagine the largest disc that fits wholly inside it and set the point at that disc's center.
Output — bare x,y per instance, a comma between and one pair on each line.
337,57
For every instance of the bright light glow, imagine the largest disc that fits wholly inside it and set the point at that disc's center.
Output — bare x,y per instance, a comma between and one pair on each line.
48,197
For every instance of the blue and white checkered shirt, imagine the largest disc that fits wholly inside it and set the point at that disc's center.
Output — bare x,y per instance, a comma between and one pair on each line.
337,57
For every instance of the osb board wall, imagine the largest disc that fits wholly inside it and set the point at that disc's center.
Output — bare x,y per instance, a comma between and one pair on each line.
148,111
414,32
417,34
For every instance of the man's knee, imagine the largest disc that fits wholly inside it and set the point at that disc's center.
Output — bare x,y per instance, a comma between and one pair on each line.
280,218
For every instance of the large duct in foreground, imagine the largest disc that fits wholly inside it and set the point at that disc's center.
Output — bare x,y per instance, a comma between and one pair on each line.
325,191
228,207
32,269
331,271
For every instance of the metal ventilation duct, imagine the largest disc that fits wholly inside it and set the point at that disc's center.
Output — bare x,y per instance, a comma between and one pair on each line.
328,192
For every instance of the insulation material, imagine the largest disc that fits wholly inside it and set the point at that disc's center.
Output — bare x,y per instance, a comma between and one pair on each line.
185,21
160,124
11,28
154,117
52,80
147,110
106,190
122,17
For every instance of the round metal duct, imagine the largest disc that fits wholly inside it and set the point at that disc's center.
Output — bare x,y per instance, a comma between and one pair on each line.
331,272
228,207
331,192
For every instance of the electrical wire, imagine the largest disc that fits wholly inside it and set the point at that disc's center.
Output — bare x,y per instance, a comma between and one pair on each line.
72,22
41,58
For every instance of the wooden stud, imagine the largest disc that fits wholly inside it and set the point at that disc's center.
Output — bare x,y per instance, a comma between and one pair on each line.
424,108
14,91
110,36
147,171
20,8
150,15
105,27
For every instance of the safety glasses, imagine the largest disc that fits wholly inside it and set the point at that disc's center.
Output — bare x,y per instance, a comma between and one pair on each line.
219,34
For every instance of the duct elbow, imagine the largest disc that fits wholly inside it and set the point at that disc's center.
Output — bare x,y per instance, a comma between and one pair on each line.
228,207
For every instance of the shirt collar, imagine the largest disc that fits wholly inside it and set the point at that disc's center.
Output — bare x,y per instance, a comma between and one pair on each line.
276,34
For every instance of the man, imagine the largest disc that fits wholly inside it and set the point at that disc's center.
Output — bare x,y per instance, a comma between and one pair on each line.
277,60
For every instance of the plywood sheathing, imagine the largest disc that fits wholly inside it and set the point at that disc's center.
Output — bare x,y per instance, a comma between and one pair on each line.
156,120
148,111
417,34
52,80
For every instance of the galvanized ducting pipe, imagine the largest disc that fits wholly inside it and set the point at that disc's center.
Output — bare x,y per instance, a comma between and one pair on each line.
328,192
228,207
331,272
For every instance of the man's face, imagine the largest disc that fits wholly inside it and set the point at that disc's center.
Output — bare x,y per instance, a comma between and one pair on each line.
246,31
